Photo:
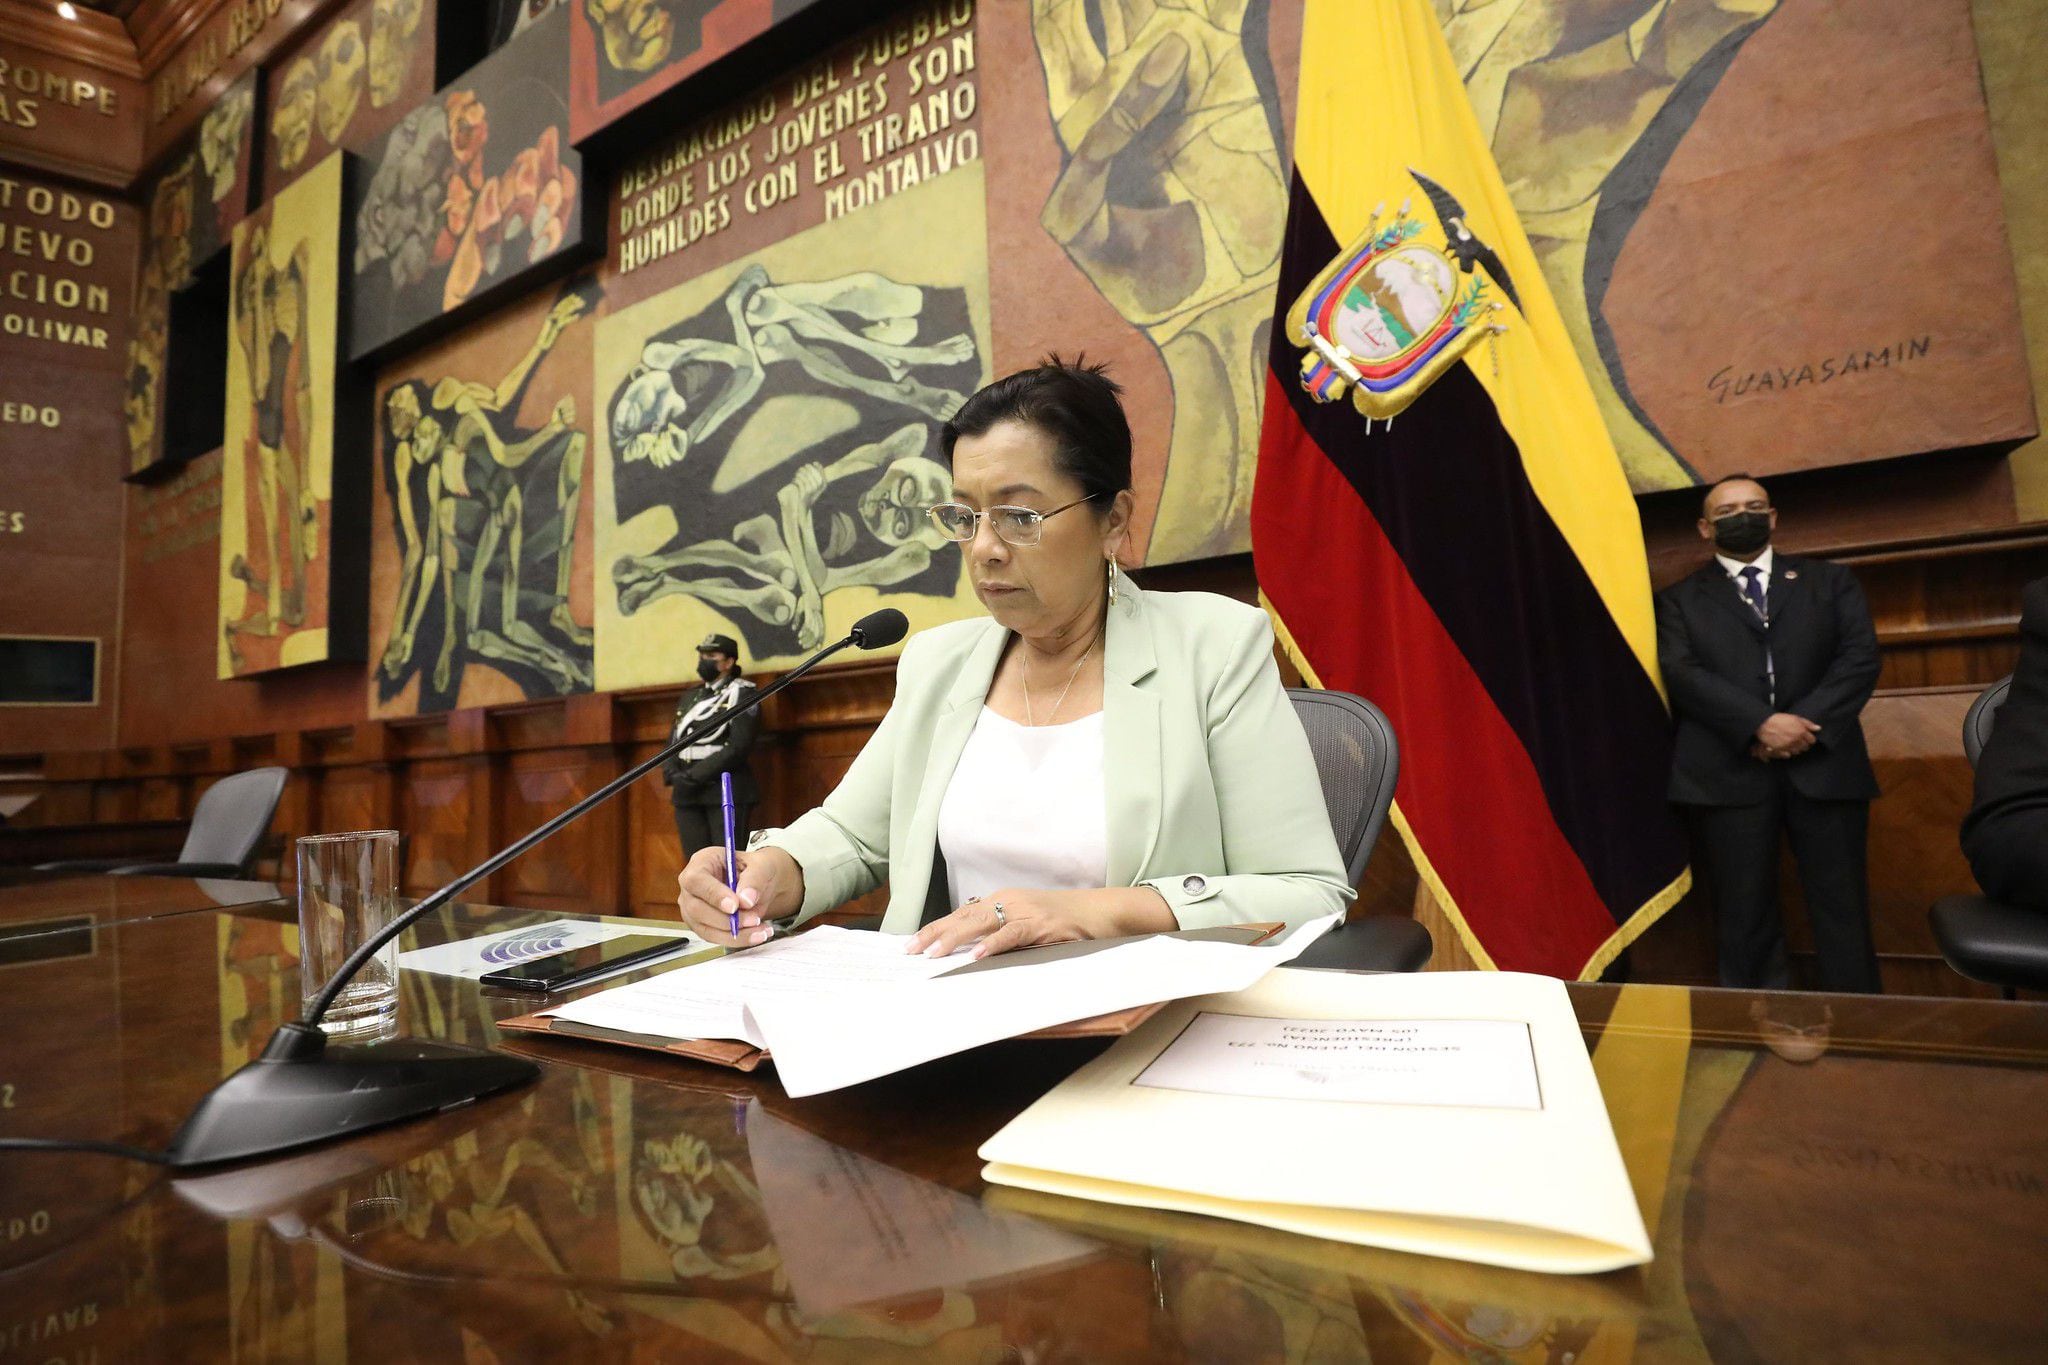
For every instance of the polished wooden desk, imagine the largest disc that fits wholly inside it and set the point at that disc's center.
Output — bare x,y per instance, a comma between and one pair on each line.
1826,1178
45,901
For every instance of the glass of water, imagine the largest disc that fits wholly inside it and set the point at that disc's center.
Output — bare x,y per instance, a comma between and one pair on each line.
348,891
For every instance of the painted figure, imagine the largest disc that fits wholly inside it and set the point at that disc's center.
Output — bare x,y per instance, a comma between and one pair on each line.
392,25
639,35
340,92
292,125
454,442
220,139
1625,77
686,389
270,317
780,567
1172,201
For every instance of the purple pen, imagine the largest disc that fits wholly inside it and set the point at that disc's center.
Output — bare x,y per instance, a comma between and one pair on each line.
732,859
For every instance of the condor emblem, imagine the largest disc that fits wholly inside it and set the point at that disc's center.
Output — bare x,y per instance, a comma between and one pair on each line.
1392,313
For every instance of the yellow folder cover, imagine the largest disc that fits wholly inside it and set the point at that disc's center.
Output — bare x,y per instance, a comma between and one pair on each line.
1445,1113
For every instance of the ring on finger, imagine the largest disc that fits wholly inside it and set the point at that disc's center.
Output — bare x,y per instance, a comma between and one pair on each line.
1001,918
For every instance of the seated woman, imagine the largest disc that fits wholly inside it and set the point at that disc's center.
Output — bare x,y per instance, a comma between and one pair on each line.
1084,762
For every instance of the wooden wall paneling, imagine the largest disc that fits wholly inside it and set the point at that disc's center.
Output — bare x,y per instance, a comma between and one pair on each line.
435,812
1915,740
114,802
653,855
161,798
579,869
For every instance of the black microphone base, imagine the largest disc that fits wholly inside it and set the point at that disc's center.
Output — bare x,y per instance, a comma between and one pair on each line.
304,1091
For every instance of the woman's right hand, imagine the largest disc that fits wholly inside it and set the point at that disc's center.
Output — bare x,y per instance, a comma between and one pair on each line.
771,886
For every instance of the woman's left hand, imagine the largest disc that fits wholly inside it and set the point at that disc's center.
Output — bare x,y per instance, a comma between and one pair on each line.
1030,918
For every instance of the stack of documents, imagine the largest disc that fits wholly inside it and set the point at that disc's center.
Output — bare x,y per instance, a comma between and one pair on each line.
1452,1114
839,1006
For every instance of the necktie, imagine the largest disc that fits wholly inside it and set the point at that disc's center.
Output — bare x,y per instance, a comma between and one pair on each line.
1753,590
1753,593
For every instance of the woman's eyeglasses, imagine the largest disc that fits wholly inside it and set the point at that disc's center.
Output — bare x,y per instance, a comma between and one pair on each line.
1019,526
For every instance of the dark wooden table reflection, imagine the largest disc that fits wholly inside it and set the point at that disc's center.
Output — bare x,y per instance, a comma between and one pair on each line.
1826,1178
40,902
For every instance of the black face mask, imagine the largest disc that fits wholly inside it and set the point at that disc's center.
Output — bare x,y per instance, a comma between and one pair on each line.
708,670
1742,533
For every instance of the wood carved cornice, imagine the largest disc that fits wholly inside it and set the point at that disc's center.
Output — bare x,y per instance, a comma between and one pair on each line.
92,39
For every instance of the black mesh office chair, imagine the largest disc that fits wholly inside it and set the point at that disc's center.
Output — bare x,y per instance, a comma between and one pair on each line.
1986,940
1358,762
227,827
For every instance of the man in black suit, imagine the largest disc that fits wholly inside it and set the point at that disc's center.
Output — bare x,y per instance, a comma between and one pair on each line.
2005,835
1769,660
692,774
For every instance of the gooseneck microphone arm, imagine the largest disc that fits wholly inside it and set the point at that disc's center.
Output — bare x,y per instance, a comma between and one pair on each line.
303,1090
868,634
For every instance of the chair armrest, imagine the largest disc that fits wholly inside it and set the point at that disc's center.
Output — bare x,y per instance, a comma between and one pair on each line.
1992,942
89,864
1377,943
229,870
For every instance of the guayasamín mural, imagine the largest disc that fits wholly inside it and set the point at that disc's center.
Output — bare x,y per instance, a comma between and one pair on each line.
1703,159
194,204
770,437
730,423
480,522
277,483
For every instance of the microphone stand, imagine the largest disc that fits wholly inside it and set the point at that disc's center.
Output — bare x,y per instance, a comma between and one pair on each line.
302,1090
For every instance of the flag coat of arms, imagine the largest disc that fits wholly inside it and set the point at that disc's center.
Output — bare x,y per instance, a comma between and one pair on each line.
1440,521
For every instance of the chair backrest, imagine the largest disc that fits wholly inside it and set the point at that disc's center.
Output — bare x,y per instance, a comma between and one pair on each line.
232,817
1977,722
1357,762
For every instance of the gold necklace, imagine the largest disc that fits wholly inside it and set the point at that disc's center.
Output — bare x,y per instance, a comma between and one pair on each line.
1024,677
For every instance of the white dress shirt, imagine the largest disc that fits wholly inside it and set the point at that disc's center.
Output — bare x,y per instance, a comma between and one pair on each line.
1026,808
1762,565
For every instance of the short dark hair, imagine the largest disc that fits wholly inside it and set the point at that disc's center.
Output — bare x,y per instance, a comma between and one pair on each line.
1073,402
1707,497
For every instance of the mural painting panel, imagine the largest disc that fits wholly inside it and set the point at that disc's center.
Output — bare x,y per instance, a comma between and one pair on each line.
1728,251
194,204
277,535
1138,164
473,191
346,85
625,52
510,18
481,572
768,441
149,344
204,190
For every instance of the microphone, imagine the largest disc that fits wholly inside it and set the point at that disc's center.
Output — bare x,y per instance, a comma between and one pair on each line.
302,1091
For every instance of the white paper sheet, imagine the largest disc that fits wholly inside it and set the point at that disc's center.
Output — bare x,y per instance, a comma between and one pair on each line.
1474,1063
710,999
823,1043
472,957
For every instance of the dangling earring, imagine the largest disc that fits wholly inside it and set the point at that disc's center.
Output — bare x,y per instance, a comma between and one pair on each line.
1112,580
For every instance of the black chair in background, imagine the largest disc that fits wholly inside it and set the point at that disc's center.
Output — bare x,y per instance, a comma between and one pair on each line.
1358,763
1983,939
228,826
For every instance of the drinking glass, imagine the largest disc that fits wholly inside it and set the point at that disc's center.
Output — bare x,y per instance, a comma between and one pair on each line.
348,891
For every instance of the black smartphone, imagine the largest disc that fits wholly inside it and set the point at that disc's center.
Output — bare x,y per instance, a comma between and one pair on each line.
561,971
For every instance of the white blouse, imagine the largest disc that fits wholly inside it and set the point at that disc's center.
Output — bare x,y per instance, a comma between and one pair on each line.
1026,808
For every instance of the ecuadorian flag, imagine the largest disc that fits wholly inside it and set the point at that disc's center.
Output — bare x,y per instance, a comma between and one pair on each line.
1474,565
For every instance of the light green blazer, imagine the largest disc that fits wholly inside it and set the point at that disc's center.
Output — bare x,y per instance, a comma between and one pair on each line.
1211,792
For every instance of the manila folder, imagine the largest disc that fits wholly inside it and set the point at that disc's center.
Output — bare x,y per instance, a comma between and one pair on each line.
1444,1113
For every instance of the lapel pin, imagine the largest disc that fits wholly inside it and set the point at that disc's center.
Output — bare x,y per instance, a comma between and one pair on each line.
1791,574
